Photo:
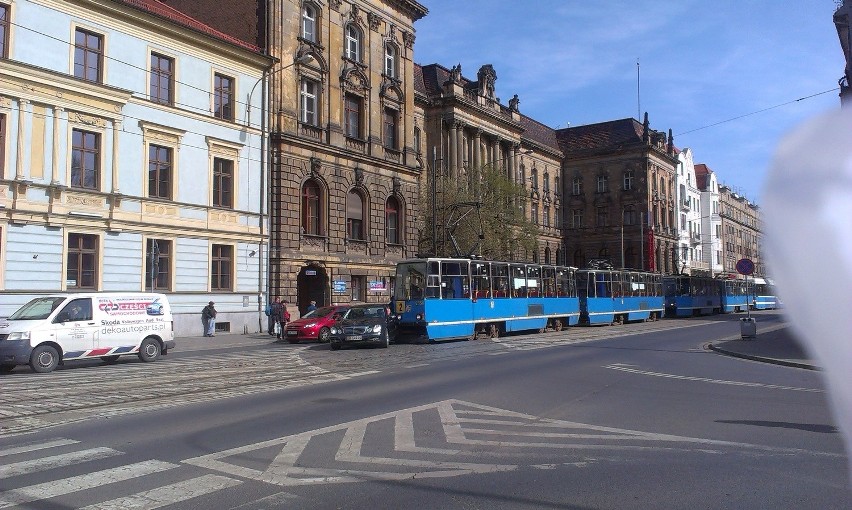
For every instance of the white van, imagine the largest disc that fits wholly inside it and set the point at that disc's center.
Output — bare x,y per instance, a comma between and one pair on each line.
50,330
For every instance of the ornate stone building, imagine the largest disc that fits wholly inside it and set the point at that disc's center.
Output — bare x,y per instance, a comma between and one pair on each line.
467,128
619,194
740,224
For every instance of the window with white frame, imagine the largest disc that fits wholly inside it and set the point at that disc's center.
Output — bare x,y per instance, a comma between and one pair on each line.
353,43
309,22
308,93
577,218
390,60
603,184
576,186
628,180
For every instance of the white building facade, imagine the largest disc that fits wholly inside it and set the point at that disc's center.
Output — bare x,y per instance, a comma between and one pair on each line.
711,220
689,224
127,162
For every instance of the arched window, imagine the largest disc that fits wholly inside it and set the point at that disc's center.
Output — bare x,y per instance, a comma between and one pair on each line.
390,60
603,253
355,216
393,230
309,22
353,43
579,258
534,178
547,255
311,209
558,256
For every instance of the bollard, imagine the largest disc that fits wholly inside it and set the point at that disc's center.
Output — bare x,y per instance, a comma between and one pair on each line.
748,328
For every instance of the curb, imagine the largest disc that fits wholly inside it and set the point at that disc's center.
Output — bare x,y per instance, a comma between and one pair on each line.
763,359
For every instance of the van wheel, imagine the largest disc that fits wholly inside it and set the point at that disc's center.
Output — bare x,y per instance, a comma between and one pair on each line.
149,350
44,359
5,369
110,359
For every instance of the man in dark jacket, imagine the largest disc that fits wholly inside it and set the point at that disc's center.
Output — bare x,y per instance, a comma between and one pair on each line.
277,315
208,319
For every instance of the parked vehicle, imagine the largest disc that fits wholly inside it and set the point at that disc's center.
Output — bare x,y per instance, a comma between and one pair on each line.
314,325
51,330
367,323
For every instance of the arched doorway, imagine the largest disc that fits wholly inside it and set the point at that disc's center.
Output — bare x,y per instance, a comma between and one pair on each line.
311,285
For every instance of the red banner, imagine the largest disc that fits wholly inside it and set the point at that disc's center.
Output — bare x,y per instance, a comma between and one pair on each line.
649,256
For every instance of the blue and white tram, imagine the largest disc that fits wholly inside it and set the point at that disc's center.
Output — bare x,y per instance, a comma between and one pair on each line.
619,295
764,295
736,295
692,295
449,298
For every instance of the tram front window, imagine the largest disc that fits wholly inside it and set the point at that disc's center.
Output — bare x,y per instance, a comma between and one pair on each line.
410,280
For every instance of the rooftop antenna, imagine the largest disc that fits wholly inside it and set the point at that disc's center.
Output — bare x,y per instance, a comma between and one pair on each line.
638,102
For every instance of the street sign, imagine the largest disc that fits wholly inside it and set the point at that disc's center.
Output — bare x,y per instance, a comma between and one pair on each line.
745,266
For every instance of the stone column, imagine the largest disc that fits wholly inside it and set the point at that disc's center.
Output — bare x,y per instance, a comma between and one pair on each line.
22,120
54,164
462,153
454,150
116,127
477,149
513,162
495,154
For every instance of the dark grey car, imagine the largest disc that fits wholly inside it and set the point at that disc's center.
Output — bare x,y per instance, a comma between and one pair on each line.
364,324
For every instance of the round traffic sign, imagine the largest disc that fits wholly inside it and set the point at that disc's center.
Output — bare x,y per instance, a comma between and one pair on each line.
745,266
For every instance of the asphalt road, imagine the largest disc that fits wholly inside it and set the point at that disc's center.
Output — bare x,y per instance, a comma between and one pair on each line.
610,417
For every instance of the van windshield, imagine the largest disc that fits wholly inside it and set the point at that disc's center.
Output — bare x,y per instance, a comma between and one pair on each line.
37,309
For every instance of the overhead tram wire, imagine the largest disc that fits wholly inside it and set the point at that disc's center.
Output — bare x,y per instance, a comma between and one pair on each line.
758,111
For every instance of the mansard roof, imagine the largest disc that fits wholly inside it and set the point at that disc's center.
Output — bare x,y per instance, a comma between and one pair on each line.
161,10
612,134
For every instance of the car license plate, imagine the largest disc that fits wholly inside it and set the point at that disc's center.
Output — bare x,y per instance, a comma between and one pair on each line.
353,338
292,333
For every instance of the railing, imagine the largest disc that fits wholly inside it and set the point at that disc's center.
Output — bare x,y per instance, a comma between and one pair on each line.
393,155
356,145
310,131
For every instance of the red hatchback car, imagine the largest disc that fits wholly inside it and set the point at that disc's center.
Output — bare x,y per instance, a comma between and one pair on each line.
314,325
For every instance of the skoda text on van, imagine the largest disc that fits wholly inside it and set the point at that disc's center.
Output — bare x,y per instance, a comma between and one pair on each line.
50,330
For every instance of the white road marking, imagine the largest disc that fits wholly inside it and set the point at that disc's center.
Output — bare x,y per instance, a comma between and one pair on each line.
168,494
72,484
36,446
55,461
713,381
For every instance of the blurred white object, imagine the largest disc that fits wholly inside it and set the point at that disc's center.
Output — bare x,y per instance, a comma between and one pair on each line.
807,214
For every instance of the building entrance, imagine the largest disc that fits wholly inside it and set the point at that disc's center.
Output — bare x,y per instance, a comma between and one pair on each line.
312,285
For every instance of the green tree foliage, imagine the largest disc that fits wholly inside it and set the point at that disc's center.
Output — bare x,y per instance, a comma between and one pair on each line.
486,217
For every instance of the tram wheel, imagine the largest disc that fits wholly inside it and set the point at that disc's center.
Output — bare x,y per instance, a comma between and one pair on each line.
494,331
557,324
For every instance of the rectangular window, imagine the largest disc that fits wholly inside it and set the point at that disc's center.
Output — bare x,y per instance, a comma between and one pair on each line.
390,128
162,79
308,102
359,288
88,55
223,183
603,184
82,262
85,159
221,263
4,30
352,116
628,180
576,186
223,97
602,217
159,172
577,218
534,213
158,253
546,217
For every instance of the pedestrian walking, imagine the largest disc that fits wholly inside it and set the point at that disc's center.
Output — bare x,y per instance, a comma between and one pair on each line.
271,321
208,319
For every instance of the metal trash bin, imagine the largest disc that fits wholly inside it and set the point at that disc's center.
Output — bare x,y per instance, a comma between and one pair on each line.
748,327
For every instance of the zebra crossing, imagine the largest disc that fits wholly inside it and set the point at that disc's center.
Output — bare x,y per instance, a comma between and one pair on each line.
87,490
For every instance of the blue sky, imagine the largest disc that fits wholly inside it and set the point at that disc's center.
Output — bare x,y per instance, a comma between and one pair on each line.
701,62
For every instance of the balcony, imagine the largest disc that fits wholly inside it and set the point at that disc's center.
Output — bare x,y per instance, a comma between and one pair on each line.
356,145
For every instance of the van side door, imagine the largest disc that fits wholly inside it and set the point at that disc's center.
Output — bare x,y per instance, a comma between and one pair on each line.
75,329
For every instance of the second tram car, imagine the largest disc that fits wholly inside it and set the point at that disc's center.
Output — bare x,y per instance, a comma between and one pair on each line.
619,295
692,295
451,298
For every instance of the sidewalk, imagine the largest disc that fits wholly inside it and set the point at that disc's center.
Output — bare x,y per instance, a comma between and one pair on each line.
221,341
777,346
